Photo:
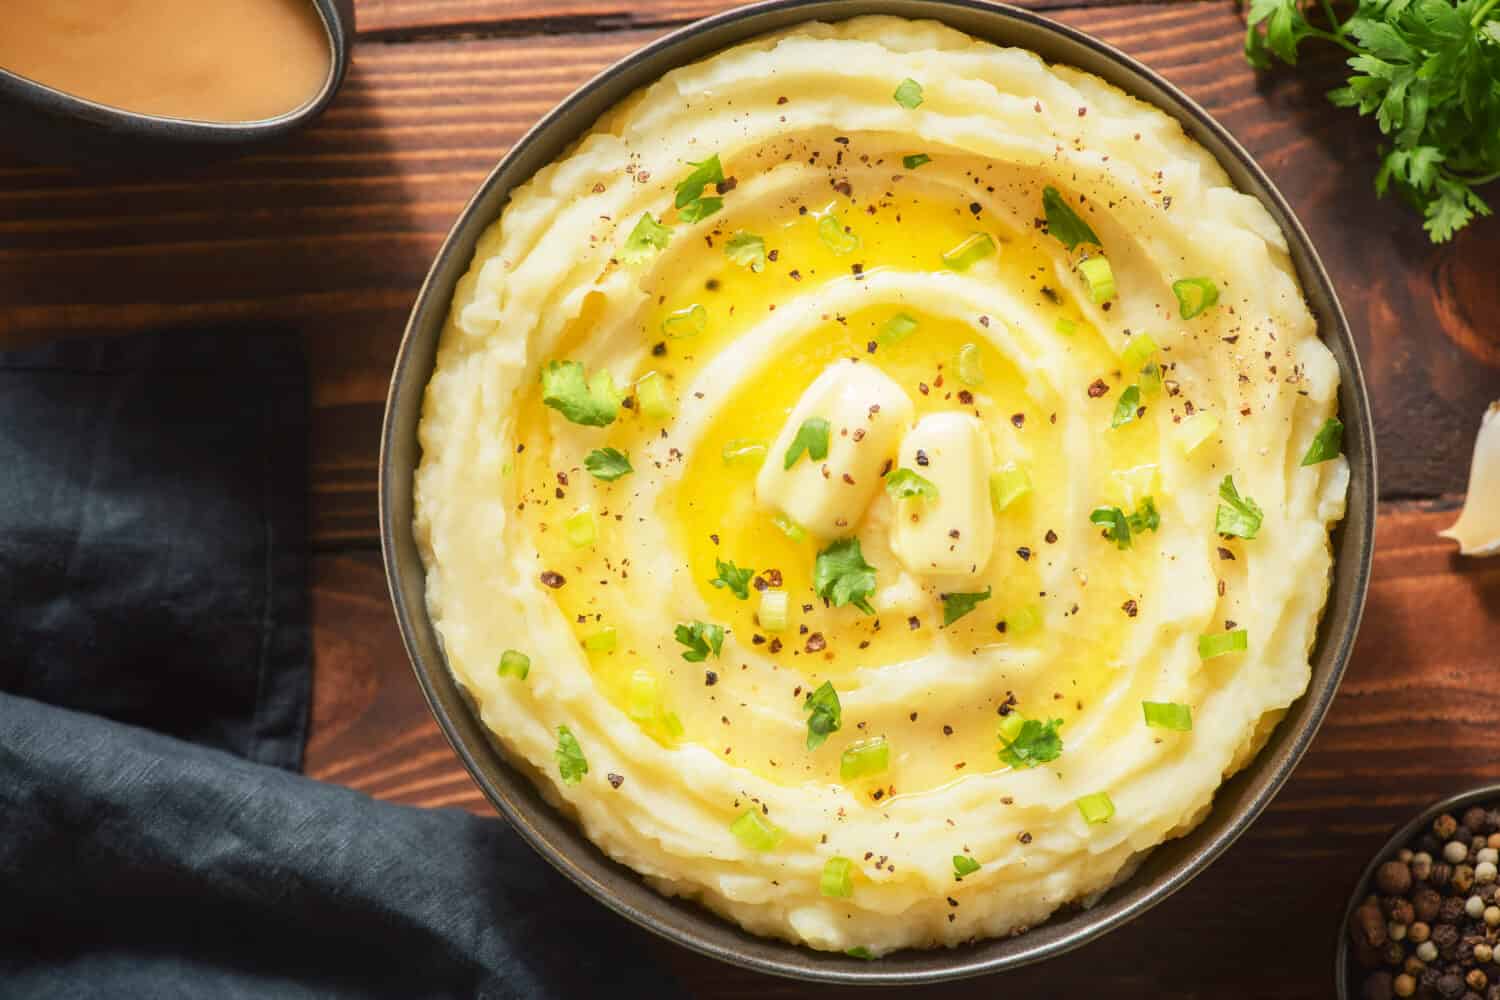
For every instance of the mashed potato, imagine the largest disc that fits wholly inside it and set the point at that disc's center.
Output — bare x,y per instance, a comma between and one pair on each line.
864,479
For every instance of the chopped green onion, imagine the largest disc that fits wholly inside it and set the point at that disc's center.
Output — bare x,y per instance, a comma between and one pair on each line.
896,329
835,880
1238,516
1194,295
1096,808
607,464
1220,643
774,605
963,865
655,399
643,698
789,528
1065,326
672,725
1128,407
1326,444
860,951
514,663
1023,621
908,94
1137,353
746,250
755,831
581,529
743,451
835,237
975,248
1150,378
1100,278
904,484
1195,430
811,437
686,322
1168,715
645,239
915,160
865,758
571,764
970,371
1008,485
603,641
825,714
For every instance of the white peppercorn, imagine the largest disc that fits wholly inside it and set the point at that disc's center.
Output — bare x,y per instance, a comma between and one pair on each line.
1488,854
1427,951
1474,907
1492,916
1395,931
1485,871
1421,864
1454,852
1483,952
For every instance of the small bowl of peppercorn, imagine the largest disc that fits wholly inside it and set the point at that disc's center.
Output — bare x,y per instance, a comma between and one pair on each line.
1424,920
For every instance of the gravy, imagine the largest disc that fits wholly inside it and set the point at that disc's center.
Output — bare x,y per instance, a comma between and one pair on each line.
219,61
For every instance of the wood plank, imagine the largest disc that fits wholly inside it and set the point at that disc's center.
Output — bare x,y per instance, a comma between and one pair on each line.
407,19
1415,720
330,232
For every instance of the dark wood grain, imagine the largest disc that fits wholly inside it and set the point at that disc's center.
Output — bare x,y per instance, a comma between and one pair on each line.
330,232
1418,717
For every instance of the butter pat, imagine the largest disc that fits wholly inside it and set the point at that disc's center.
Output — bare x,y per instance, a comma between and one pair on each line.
952,535
867,413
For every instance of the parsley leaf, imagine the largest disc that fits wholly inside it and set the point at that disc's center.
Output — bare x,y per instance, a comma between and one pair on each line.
963,865
1064,223
700,638
645,239
1426,71
841,576
731,576
811,437
955,606
746,250
1327,443
915,160
607,464
1030,743
904,484
1237,515
826,717
1128,407
1118,526
593,402
571,764
690,188
908,94
699,209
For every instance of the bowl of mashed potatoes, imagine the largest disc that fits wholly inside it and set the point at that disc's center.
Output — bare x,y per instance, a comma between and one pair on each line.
878,491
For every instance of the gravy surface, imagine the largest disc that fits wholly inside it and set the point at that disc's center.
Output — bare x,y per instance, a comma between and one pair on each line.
223,61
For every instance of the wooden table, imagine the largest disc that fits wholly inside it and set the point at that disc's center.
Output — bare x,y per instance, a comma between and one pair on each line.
330,233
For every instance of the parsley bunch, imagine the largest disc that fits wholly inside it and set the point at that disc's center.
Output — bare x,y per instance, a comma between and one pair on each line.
1429,71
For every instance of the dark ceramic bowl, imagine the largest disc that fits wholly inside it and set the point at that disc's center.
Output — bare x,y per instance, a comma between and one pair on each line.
556,837
48,125
1347,979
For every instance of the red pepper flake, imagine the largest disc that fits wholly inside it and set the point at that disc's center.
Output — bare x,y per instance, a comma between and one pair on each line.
947,730
848,479
913,623
965,397
562,477
859,434
1097,388
816,643
781,100
923,389
1130,608
1226,554
1024,837
553,580
1050,537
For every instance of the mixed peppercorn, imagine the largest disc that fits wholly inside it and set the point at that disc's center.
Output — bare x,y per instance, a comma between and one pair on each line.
1431,926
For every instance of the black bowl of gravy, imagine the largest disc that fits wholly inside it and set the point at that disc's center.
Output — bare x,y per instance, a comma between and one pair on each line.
106,80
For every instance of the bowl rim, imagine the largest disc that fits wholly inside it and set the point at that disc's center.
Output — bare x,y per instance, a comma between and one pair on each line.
337,17
1403,835
507,786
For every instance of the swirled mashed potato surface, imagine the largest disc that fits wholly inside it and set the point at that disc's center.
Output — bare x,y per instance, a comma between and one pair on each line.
855,275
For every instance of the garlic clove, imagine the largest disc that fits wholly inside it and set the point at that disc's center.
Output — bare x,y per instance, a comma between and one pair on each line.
1477,530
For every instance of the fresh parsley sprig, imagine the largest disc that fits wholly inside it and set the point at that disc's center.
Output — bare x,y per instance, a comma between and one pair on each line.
1429,71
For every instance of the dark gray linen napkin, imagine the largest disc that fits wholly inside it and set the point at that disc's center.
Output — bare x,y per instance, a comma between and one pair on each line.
155,840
